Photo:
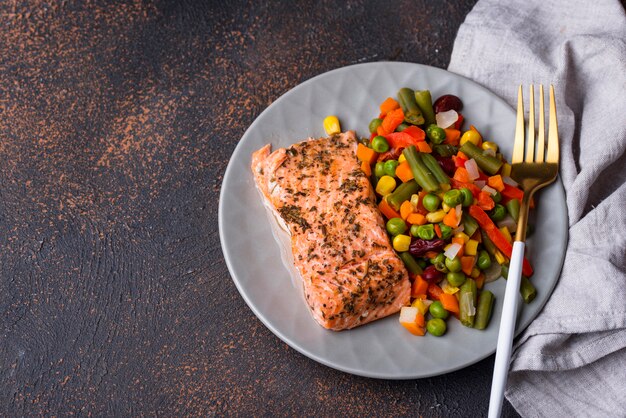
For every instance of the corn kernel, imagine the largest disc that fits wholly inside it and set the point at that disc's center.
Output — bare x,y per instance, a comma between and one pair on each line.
506,170
506,233
401,158
421,305
462,235
445,187
490,145
471,247
445,207
415,199
499,257
435,217
475,273
471,136
448,288
401,242
385,185
331,125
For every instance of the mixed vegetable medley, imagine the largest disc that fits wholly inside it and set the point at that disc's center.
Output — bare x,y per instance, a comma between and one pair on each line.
450,207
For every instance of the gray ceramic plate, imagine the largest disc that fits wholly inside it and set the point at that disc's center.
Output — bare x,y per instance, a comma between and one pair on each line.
382,349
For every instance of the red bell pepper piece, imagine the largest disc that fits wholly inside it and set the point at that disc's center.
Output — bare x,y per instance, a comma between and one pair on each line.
400,139
416,133
497,237
511,192
459,122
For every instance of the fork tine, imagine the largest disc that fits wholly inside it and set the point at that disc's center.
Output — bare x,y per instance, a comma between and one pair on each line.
530,142
541,130
553,131
518,147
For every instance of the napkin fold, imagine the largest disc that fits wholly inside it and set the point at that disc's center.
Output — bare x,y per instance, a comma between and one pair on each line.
571,360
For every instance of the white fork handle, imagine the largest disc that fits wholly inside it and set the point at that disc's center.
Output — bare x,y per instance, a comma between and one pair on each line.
507,330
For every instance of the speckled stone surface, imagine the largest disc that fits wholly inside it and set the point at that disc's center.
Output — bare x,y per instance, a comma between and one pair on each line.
117,120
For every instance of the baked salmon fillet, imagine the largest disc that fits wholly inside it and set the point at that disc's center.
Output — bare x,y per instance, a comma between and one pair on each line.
350,273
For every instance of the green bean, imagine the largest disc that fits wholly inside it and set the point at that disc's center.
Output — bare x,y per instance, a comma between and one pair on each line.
425,103
410,263
412,112
422,175
403,192
467,302
439,262
435,134
435,168
445,150
484,309
513,207
487,242
497,197
526,288
487,163
469,224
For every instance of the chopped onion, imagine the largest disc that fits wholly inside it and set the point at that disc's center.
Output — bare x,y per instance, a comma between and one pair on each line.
508,180
493,272
489,190
472,169
447,118
508,222
452,250
458,211
480,183
461,228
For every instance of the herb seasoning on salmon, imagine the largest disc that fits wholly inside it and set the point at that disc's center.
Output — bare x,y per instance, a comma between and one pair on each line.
350,272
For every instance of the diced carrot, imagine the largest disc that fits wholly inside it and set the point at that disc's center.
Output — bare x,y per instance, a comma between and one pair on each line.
387,210
412,320
485,201
496,182
449,302
461,154
406,209
388,105
366,154
462,175
438,231
450,219
367,169
431,254
480,280
391,121
420,203
420,287
452,136
434,291
403,171
467,264
424,147
416,219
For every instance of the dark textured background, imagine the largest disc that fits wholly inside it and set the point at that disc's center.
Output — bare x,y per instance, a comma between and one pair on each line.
117,121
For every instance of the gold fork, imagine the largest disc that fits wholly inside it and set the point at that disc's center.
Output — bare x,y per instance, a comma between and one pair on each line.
532,172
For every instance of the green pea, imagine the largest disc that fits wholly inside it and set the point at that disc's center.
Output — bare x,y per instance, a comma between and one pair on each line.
374,124
453,197
446,231
456,278
454,264
379,169
439,262
484,261
435,134
431,202
402,127
426,232
436,327
390,167
468,197
497,197
437,310
497,213
396,226
414,230
380,144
